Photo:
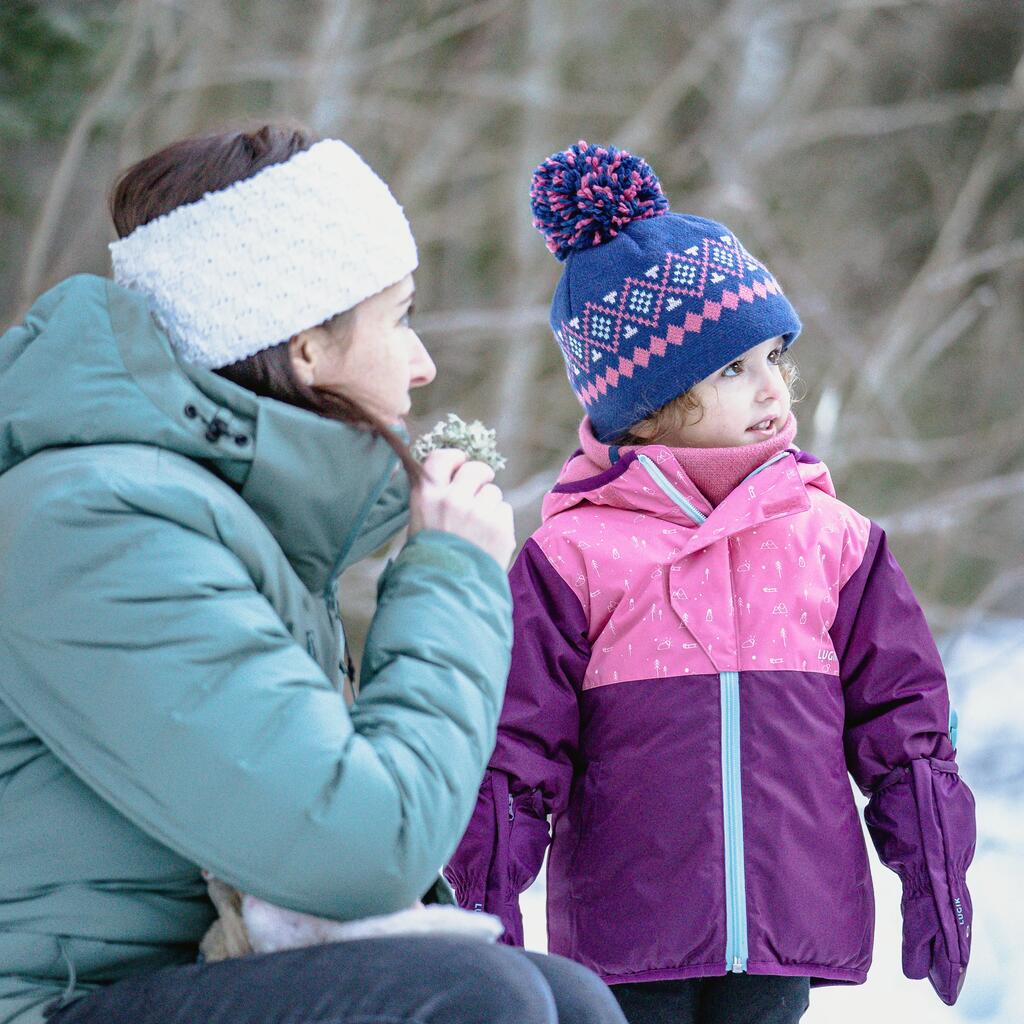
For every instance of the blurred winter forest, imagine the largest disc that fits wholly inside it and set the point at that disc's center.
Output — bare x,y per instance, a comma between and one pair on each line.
870,151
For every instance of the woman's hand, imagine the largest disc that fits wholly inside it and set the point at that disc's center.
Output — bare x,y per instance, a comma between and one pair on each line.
458,496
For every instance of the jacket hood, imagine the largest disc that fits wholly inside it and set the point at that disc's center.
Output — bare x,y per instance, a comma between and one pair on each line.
90,366
649,480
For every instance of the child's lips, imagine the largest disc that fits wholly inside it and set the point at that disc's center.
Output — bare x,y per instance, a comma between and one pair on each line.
765,427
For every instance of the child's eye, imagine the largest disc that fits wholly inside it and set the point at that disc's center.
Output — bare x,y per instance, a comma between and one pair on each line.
733,369
406,318
775,355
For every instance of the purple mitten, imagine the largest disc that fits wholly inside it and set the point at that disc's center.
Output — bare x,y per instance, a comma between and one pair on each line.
920,928
925,953
922,822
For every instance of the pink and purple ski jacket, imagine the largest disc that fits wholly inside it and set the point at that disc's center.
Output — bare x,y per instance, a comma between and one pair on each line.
690,688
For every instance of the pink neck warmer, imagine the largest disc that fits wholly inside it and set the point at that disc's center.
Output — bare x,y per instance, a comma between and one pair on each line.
714,471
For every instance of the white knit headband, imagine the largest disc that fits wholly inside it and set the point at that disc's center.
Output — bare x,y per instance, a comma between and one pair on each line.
255,263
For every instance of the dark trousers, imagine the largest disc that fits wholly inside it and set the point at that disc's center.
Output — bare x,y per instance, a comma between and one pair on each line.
732,999
414,980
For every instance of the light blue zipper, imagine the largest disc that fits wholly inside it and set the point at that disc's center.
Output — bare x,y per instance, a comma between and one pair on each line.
663,482
684,503
765,465
736,949
732,809
736,953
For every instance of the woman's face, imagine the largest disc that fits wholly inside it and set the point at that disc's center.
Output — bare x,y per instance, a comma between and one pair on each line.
374,358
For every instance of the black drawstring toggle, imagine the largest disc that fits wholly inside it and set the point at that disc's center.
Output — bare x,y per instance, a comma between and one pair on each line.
216,428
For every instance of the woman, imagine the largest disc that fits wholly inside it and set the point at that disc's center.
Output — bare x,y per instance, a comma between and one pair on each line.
189,458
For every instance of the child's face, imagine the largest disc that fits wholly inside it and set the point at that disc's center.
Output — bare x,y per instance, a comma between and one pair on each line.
742,403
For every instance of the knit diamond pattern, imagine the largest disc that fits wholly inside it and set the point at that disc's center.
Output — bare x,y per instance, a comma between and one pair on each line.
620,333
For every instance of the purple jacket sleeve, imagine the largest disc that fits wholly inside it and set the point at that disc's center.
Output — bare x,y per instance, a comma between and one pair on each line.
531,768
920,813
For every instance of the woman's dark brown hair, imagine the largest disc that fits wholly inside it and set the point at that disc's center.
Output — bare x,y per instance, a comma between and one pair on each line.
183,173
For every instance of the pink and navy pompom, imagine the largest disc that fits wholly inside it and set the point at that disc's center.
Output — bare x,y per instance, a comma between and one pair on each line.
585,195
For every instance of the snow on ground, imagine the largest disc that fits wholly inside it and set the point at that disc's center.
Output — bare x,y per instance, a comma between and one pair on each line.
986,674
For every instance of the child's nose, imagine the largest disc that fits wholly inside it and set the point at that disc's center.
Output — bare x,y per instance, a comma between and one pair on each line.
770,386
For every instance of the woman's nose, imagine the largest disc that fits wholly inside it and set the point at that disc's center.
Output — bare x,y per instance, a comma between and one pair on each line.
421,367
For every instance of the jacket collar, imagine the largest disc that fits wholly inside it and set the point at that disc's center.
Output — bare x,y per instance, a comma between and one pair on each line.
650,481
327,491
90,366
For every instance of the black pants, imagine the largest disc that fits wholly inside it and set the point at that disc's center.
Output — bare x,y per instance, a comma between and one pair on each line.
415,980
732,999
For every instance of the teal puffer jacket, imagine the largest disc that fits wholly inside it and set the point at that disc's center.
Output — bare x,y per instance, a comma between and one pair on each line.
169,657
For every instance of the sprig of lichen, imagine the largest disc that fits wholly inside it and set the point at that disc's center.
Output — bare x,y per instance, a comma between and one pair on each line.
472,438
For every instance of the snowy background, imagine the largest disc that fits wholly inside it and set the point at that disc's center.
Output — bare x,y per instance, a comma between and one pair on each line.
986,673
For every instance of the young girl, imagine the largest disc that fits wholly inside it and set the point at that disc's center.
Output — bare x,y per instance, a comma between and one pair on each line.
706,642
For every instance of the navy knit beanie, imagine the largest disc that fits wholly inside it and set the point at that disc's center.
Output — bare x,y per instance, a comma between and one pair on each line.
650,302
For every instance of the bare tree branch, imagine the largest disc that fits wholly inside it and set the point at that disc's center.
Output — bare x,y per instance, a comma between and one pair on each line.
917,300
74,149
948,509
483,321
642,127
994,258
810,10
865,122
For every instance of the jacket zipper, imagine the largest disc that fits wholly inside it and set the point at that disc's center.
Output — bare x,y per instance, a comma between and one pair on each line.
736,946
732,809
663,482
765,465
736,949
